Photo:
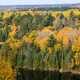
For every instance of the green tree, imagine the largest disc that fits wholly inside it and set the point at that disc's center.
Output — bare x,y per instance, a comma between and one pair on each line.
48,20
51,41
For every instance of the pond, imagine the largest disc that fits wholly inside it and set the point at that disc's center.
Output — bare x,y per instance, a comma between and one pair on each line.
25,74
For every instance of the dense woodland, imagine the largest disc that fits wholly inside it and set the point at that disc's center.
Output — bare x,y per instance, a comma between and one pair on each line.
39,40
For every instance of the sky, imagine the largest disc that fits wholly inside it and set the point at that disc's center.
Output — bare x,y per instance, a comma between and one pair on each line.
29,2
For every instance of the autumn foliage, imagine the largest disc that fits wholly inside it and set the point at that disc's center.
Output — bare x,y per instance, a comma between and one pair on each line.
39,40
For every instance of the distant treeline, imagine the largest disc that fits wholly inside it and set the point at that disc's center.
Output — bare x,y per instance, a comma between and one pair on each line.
47,9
